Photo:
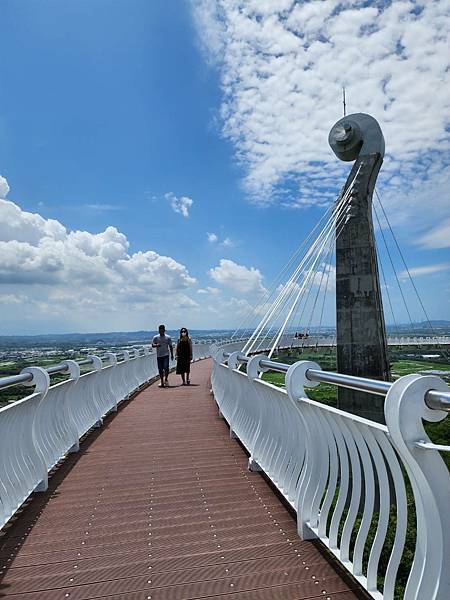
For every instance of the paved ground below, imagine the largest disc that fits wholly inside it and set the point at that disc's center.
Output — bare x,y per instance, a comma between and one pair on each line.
159,505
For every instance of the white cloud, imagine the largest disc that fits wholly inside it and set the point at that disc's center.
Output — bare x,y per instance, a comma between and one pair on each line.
81,276
12,299
179,205
238,277
102,207
4,187
21,226
213,291
283,65
425,270
213,238
439,237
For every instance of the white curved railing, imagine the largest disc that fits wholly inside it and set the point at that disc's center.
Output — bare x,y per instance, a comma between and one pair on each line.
39,430
349,479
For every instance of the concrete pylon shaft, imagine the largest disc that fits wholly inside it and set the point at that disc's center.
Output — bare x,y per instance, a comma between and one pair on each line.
361,333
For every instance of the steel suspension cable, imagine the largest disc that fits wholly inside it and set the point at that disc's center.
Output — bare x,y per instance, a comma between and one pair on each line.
311,271
393,268
265,297
307,266
387,293
287,289
405,265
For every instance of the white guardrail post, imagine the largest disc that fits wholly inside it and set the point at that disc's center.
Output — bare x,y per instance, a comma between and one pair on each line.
42,428
351,481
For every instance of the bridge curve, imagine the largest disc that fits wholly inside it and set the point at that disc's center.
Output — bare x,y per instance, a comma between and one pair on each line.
158,504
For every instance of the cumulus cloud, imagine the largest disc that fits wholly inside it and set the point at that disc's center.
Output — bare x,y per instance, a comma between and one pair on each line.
179,205
283,65
4,187
58,270
212,237
238,278
213,291
21,226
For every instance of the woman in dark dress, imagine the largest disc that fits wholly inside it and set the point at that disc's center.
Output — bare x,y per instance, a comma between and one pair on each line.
184,355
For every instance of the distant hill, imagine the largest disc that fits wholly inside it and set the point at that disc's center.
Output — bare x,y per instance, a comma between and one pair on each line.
113,338
121,338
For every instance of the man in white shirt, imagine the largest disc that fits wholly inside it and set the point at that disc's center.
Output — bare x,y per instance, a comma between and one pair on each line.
163,343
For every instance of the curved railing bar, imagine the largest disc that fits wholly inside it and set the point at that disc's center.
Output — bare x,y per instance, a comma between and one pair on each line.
60,368
434,399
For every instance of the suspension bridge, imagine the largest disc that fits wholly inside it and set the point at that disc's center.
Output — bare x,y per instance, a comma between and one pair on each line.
234,488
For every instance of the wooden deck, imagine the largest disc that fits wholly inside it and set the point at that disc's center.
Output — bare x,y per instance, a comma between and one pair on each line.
158,504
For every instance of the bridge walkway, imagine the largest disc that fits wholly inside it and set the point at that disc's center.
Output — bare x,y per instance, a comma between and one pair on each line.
158,505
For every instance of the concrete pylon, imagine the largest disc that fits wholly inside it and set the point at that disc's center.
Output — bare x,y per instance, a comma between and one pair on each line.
361,333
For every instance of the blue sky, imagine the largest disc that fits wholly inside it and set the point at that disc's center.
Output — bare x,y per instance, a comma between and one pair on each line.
112,112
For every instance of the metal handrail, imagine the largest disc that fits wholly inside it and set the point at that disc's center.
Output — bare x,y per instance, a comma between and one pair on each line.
60,368
434,399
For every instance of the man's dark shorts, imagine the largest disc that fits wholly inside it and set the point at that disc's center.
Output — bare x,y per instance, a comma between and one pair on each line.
163,363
